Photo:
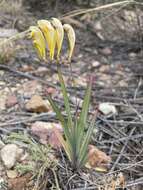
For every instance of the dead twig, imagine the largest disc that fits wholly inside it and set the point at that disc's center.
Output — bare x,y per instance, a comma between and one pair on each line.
121,152
25,75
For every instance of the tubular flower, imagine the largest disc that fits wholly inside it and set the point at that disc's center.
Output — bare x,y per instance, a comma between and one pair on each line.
71,38
38,41
59,34
50,35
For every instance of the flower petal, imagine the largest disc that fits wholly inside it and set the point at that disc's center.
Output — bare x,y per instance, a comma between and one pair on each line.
38,41
50,35
71,37
59,34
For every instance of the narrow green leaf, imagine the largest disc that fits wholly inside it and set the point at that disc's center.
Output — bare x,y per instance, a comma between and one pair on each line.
83,116
84,147
74,145
57,110
61,119
65,145
85,105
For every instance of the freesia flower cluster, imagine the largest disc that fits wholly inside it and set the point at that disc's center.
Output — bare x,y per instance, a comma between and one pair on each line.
51,33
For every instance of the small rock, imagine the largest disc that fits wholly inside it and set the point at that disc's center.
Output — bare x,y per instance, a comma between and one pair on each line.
10,153
76,101
98,26
97,158
107,108
106,51
132,55
19,183
11,174
46,132
37,104
104,68
95,63
11,101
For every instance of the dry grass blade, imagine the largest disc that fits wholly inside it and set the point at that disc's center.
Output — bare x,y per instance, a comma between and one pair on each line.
15,37
110,5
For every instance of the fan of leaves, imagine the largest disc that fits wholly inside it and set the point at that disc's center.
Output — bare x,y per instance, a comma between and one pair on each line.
52,33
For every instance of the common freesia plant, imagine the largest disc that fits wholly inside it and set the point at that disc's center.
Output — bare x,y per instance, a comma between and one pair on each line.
77,131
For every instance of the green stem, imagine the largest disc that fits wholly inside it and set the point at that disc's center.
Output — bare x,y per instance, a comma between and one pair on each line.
65,96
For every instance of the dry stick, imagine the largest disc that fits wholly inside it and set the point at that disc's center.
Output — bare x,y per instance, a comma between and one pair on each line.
94,185
114,129
119,132
135,111
121,122
98,8
4,67
138,87
121,153
123,139
56,180
87,188
14,37
31,119
136,182
125,168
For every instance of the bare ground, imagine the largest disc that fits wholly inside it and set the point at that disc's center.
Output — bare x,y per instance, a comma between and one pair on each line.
109,46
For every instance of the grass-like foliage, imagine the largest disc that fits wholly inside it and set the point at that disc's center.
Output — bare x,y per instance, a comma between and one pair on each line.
41,158
77,131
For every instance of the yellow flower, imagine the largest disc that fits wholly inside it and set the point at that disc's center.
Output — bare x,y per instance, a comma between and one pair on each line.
51,32
71,38
50,35
59,34
38,41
